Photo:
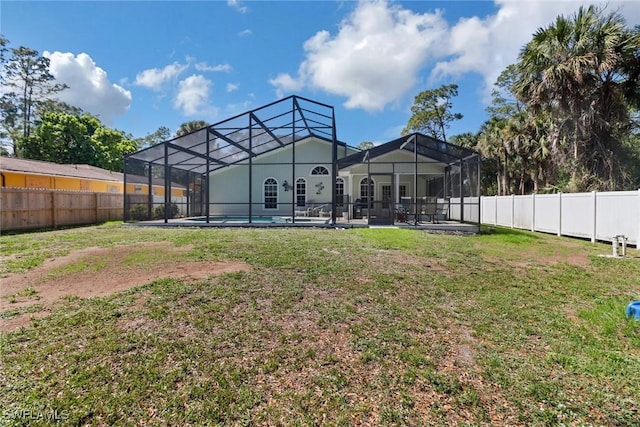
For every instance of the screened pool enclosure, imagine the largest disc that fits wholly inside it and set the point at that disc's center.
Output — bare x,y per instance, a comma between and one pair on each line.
282,163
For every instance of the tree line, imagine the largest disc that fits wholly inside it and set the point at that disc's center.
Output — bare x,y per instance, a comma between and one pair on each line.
564,117
35,125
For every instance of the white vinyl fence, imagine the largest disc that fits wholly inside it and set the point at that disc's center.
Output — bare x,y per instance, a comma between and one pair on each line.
469,211
594,216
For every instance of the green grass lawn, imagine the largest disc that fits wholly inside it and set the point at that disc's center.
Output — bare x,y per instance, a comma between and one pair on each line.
333,327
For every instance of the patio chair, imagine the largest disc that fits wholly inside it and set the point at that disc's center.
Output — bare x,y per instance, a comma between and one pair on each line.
406,209
301,211
430,209
318,211
443,211
325,211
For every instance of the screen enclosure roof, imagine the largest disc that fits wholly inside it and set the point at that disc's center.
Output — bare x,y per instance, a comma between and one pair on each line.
416,143
244,136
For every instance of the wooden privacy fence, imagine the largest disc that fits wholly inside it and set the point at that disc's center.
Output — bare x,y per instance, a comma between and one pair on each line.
29,209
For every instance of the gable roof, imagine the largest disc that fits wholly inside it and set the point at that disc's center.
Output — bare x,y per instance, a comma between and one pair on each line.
414,143
247,135
13,164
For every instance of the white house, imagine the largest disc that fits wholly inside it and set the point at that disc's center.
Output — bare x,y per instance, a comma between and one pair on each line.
292,180
284,160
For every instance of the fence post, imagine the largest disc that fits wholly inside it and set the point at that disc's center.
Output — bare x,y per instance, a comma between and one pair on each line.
53,209
559,214
513,209
595,211
495,211
533,212
638,237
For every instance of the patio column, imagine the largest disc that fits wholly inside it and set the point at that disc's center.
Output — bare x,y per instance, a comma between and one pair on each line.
250,185
334,167
370,188
294,198
415,178
347,192
167,187
188,192
169,207
461,191
150,191
125,215
208,179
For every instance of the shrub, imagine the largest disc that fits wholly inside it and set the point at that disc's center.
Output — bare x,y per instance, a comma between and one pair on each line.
139,213
158,212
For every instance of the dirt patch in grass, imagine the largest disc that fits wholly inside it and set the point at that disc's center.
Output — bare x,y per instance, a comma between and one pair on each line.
563,253
98,272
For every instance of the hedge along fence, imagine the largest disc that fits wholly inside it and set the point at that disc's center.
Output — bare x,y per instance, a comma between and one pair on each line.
29,208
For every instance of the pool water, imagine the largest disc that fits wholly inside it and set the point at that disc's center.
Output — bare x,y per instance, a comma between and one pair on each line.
245,219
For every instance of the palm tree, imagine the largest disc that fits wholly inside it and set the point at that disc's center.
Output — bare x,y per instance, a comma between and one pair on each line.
190,126
495,143
546,143
576,68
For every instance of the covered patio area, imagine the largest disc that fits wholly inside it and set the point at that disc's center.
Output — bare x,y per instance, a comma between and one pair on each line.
412,180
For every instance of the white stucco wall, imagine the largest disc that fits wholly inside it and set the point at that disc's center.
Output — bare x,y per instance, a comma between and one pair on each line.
229,190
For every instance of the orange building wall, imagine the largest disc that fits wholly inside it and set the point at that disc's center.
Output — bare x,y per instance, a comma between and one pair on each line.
158,190
26,180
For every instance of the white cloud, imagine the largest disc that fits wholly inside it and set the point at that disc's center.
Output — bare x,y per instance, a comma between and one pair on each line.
285,84
232,87
373,60
240,107
89,86
154,78
203,66
193,96
245,33
486,46
381,48
236,5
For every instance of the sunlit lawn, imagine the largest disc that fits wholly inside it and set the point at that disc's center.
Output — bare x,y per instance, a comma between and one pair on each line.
334,327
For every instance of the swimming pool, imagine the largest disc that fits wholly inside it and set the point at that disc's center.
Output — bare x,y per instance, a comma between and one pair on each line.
245,219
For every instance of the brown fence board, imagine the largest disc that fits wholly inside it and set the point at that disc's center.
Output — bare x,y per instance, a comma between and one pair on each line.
28,208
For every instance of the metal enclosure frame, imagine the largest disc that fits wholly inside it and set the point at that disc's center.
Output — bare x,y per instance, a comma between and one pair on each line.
178,177
186,163
457,187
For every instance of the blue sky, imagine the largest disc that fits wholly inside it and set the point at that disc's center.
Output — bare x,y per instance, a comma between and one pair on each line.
141,65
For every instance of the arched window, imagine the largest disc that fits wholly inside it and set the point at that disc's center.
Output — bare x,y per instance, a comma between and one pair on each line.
270,193
339,192
301,192
366,189
319,170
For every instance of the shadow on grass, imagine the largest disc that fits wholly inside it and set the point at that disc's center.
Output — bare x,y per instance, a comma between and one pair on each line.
507,235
